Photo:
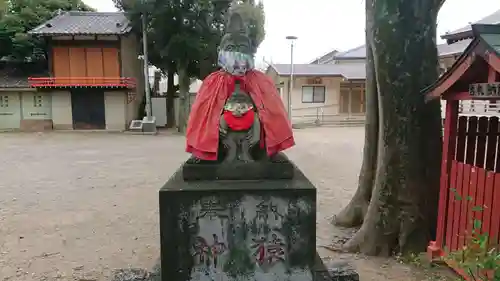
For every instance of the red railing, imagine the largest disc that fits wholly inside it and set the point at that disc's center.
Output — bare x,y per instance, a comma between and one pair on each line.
483,187
473,175
109,82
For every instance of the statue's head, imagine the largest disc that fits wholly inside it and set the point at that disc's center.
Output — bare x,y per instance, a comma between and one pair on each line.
235,50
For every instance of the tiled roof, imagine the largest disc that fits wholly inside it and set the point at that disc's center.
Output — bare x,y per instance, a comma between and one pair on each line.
349,71
466,31
453,49
443,50
356,70
85,23
485,36
356,53
325,58
492,39
15,75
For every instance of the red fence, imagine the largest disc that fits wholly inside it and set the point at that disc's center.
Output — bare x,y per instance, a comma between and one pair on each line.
474,174
110,82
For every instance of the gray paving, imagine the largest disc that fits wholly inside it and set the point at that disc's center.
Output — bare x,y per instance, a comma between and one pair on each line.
77,206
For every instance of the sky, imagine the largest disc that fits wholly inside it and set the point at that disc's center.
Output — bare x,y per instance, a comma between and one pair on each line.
325,25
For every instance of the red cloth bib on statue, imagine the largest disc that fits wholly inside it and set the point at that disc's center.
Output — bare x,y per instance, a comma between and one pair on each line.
202,135
239,123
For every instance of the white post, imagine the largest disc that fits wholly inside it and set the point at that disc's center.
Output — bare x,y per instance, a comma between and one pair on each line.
349,112
290,85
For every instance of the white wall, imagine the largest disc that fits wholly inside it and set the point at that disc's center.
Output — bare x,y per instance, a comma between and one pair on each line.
43,110
329,107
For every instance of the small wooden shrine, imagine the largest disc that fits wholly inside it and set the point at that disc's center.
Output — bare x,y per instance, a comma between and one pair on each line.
470,171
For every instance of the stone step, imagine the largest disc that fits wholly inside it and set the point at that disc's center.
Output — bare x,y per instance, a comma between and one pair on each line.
345,124
334,270
324,270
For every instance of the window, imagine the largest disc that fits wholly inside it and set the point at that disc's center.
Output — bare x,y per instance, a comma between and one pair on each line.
37,101
313,94
4,101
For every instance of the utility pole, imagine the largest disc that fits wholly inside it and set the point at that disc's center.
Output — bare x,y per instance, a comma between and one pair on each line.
290,85
147,90
149,121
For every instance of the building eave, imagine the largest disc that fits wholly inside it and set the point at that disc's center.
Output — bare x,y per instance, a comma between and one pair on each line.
312,75
81,34
452,37
348,58
461,65
478,48
16,89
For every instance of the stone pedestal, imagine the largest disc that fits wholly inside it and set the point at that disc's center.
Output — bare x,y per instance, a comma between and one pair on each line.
225,230
280,168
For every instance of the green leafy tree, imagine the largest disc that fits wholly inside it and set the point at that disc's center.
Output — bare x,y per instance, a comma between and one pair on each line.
183,37
253,13
17,17
3,7
396,200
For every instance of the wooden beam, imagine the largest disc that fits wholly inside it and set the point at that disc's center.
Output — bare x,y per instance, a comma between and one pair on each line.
494,61
450,131
8,89
492,74
86,43
458,72
467,96
50,56
120,56
350,100
457,96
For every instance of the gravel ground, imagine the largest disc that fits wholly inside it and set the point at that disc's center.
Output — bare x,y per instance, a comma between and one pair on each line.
76,206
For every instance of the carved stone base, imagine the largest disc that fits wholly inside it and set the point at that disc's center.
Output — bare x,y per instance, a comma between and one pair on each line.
276,169
254,225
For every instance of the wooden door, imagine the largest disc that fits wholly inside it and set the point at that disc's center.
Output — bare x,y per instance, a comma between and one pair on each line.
357,101
87,106
344,101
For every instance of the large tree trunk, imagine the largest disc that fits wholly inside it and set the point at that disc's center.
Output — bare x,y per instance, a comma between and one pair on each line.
402,154
171,90
184,102
353,214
